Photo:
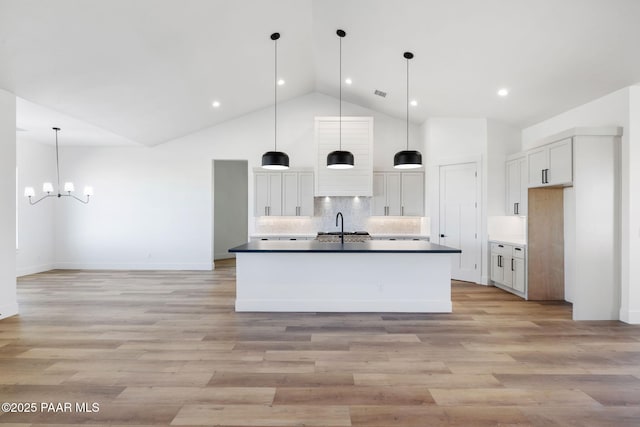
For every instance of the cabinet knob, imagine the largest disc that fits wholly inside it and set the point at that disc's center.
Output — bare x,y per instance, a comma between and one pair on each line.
442,235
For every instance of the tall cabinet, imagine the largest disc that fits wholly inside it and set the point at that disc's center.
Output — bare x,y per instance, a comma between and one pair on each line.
516,184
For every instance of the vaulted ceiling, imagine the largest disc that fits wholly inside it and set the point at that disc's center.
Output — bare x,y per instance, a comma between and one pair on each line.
148,70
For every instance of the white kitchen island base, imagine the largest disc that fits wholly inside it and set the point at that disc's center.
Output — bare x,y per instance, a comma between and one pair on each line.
300,281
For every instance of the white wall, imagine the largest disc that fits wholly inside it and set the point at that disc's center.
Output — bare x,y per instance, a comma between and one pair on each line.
609,110
620,108
8,299
630,230
152,206
36,223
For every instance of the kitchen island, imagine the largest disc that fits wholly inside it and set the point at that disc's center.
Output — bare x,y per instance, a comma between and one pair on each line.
371,276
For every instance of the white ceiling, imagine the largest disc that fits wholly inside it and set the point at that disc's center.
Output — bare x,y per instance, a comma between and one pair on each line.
148,70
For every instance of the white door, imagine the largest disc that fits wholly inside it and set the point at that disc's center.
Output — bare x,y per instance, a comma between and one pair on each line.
459,223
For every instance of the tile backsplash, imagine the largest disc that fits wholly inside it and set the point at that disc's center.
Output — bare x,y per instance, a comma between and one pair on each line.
357,217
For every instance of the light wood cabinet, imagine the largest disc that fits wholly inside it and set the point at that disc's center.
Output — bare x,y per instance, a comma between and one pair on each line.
508,268
551,164
398,194
516,186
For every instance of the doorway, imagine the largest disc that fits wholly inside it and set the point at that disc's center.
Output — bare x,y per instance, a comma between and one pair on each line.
230,206
459,219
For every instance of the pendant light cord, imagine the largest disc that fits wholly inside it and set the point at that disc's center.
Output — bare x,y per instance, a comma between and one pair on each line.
57,160
407,104
275,96
340,126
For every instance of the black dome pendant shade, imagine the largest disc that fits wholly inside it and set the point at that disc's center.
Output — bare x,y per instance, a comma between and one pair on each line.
275,160
407,159
340,159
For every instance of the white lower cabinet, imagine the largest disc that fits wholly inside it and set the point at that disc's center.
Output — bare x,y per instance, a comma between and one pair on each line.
508,267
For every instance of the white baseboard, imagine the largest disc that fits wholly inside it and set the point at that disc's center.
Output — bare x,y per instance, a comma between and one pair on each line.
224,255
8,310
34,269
630,316
127,266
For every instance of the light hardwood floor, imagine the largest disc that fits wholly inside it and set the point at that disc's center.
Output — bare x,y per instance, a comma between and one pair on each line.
166,348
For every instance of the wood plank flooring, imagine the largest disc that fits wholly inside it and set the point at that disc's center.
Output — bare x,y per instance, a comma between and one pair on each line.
167,348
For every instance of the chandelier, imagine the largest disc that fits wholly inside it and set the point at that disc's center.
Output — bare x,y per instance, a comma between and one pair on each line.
47,187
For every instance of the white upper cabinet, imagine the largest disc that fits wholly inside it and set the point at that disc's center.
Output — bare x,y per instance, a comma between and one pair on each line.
412,194
297,193
284,193
516,186
398,194
551,164
268,193
357,137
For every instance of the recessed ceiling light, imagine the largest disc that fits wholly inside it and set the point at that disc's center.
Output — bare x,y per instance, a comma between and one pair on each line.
503,92
281,82
414,103
215,104
348,81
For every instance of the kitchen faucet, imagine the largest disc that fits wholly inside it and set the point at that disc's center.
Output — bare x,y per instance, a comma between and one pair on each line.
339,215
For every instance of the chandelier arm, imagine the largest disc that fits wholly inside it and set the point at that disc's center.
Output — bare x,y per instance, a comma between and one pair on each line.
78,199
41,198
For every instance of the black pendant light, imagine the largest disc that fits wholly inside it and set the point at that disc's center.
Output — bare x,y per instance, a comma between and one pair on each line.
340,159
275,160
407,159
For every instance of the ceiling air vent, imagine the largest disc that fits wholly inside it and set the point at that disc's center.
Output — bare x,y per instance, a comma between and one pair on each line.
380,93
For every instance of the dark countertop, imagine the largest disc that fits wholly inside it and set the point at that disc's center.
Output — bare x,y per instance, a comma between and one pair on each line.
376,246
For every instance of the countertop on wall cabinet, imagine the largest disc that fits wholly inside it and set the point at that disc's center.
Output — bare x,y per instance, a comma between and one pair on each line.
371,246
283,236
518,241
399,236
